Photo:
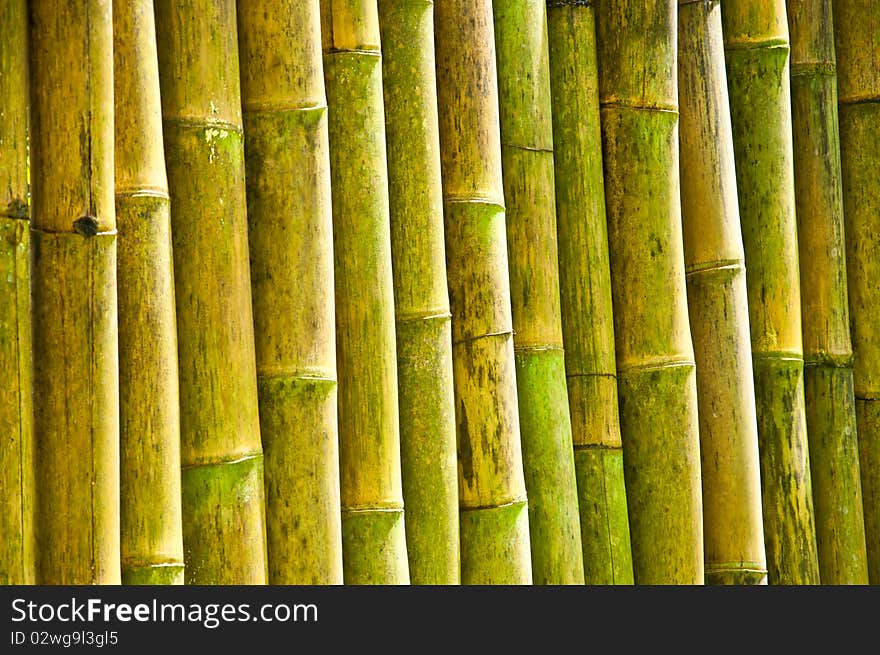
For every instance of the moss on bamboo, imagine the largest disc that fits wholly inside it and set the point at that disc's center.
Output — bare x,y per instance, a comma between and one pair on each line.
718,306
149,414
221,453
73,287
424,342
757,56
657,383
291,257
857,43
17,554
492,495
828,373
373,530
527,162
585,292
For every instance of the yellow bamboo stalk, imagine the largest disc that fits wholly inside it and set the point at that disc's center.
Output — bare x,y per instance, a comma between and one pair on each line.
638,87
373,529
221,454
17,565
857,43
291,252
73,286
718,305
828,360
149,412
492,495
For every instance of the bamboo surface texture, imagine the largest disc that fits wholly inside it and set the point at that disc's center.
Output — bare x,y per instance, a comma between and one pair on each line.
857,43
224,534
529,193
73,287
585,293
373,530
421,299
290,230
718,305
757,54
494,521
149,413
17,550
828,359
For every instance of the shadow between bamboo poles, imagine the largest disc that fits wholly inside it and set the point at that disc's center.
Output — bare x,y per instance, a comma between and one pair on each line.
73,291
828,372
757,57
718,305
17,551
373,530
492,496
221,454
291,258
421,299
149,411
857,35
585,292
527,163
656,377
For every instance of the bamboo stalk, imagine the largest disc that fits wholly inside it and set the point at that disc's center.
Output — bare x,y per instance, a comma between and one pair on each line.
492,494
17,554
718,305
857,42
529,188
757,55
73,287
221,454
585,290
828,359
149,412
373,529
291,253
424,341
656,377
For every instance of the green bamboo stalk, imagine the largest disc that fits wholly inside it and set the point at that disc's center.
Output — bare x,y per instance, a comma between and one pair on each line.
585,290
492,494
73,291
828,358
718,305
221,454
529,192
424,341
149,412
291,251
373,529
857,43
657,381
757,56
17,565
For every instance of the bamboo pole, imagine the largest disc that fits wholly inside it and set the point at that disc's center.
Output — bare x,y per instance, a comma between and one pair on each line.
757,55
857,42
424,341
718,305
149,412
373,529
529,188
291,253
73,287
657,382
828,359
585,291
17,565
492,494
221,455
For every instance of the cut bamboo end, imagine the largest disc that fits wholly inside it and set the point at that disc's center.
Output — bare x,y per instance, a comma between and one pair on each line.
374,546
493,540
